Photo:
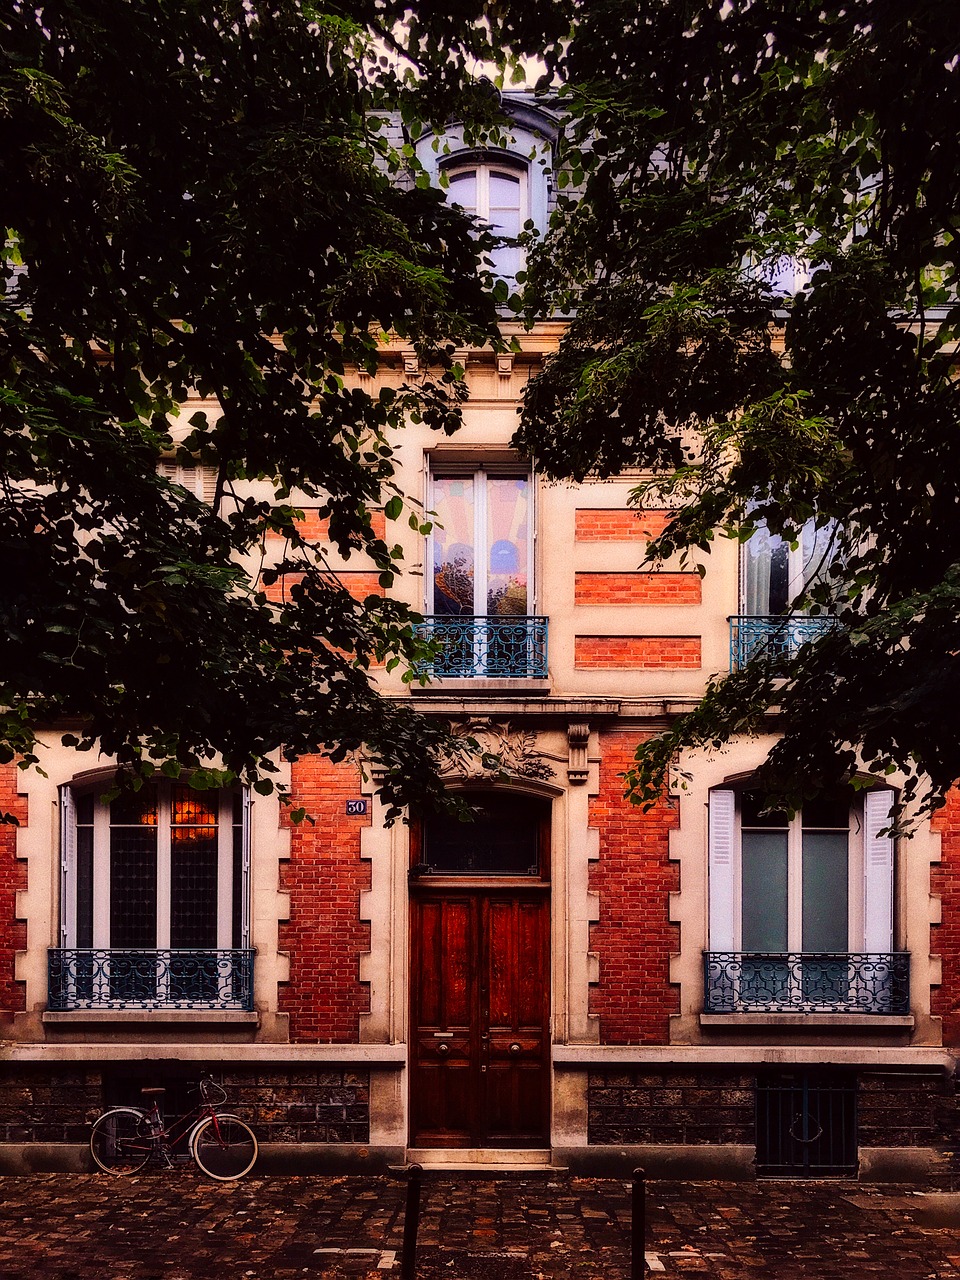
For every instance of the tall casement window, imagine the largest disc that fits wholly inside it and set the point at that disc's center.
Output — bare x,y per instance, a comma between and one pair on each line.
154,899
480,588
773,574
498,195
482,543
801,907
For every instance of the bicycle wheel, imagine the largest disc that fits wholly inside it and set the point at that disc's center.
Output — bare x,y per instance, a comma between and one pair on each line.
225,1148
120,1141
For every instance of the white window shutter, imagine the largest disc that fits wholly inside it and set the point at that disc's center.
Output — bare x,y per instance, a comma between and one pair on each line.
722,836
877,872
200,481
68,869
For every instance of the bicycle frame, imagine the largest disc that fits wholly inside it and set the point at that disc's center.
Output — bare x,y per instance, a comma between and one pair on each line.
162,1139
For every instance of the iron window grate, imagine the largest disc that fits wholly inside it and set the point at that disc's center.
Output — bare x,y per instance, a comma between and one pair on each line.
807,1124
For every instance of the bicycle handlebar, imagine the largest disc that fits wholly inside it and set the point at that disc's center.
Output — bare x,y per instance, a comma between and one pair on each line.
209,1089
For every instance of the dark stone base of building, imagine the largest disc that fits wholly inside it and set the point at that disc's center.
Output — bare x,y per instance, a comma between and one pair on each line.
301,1105
877,1125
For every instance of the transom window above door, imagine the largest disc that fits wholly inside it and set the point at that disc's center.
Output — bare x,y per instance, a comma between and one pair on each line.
507,837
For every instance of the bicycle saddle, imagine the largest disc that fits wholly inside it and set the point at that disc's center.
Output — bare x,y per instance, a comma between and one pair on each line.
152,1092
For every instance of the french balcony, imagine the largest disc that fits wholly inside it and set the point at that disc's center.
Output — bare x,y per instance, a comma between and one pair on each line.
777,635
104,978
802,982
493,647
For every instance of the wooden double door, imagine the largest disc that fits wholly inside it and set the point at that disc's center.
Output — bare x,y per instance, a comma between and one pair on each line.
480,1014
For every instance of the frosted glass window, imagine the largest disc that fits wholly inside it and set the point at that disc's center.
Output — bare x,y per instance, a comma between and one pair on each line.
795,874
825,891
764,870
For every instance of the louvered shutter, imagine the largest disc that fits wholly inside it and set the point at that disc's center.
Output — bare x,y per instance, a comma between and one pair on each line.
877,872
722,836
68,869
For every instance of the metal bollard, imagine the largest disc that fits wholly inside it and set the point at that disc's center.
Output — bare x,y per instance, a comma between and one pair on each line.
411,1223
638,1227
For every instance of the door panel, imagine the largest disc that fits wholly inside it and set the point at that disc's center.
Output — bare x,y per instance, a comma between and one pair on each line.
515,1020
446,942
480,1016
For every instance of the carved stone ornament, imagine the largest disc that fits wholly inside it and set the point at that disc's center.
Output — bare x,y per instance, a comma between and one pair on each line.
578,740
503,750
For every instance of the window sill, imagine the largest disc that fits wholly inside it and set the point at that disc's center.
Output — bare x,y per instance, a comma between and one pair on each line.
152,1016
482,685
875,1021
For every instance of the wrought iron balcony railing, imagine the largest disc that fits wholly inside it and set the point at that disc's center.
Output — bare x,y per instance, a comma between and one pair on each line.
801,982
779,635
491,646
102,978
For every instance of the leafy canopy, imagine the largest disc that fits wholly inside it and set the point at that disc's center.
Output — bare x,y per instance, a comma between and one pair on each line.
710,146
205,197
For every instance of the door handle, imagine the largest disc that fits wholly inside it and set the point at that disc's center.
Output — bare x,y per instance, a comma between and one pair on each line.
515,1048
443,1048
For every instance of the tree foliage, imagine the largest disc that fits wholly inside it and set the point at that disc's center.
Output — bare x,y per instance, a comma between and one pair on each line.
204,197
710,144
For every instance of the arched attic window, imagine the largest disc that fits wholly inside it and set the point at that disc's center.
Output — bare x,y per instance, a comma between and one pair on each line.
507,185
496,192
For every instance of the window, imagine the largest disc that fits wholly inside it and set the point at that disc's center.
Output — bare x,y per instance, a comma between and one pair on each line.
774,572
482,546
480,580
154,892
199,480
801,908
498,195
506,185
507,837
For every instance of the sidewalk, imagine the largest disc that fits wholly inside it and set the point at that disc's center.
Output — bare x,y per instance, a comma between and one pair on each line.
178,1226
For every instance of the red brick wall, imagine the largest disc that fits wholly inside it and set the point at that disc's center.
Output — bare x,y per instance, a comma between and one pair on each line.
324,936
317,528
13,876
359,583
595,524
945,937
639,653
633,937
637,588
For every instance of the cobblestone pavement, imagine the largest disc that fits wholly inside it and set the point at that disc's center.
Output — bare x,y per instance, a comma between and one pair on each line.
178,1226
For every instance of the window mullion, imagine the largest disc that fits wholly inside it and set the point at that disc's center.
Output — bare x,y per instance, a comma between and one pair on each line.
482,551
795,883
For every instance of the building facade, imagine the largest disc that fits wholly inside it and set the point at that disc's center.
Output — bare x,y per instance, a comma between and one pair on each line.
705,989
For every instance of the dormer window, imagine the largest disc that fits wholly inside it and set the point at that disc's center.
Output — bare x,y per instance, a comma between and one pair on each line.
498,195
505,184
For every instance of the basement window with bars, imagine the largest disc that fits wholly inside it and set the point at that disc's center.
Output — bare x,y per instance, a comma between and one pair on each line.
154,900
807,1124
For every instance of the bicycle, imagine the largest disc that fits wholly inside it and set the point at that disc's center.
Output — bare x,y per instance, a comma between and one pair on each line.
223,1147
